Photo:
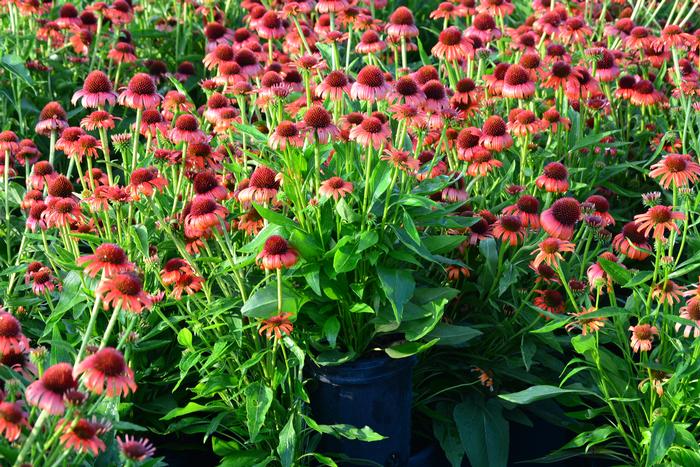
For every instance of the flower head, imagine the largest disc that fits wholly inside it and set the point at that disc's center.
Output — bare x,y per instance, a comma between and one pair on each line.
642,337
47,392
276,326
106,371
277,253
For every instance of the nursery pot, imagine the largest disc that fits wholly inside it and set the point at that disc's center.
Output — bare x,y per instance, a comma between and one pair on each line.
374,392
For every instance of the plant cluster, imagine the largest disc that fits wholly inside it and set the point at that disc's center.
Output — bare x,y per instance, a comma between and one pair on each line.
203,201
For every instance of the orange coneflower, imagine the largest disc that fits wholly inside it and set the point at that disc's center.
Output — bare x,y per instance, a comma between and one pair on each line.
586,325
632,242
669,292
483,163
642,337
645,94
659,219
276,326
550,251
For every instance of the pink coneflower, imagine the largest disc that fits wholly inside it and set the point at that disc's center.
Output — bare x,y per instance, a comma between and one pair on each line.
606,70
134,449
286,134
106,372
468,144
586,324
270,26
205,214
52,118
43,282
62,212
554,178
678,170
639,38
251,223
333,86
553,120
574,31
642,337
483,163
35,218
691,311
97,91
206,183
632,242
401,159
48,391
370,85
186,130
517,83
551,301
99,119
262,188
123,52
187,283
496,7
559,75
582,86
12,420
484,27
401,23
221,54
645,94
174,269
109,258
371,132
370,43
406,91
452,45
672,36
82,436
69,139
248,62
215,104
602,207
152,124
596,275
11,337
494,134
509,229
86,146
625,86
277,254
335,187
528,208
482,229
525,123
125,291
146,181
560,219
435,97
331,6
319,125
659,219
141,93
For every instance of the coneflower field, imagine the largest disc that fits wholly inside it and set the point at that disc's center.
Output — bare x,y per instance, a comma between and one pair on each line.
390,233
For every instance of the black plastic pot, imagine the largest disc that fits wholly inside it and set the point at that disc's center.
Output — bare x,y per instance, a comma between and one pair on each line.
374,392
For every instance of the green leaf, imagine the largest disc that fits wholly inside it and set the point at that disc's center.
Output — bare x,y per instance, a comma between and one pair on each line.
583,344
15,66
398,285
365,434
276,218
438,244
454,335
616,271
346,255
361,308
483,431
537,393
140,235
191,407
258,399
407,349
331,328
528,349
263,303
287,442
684,457
551,326
663,432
